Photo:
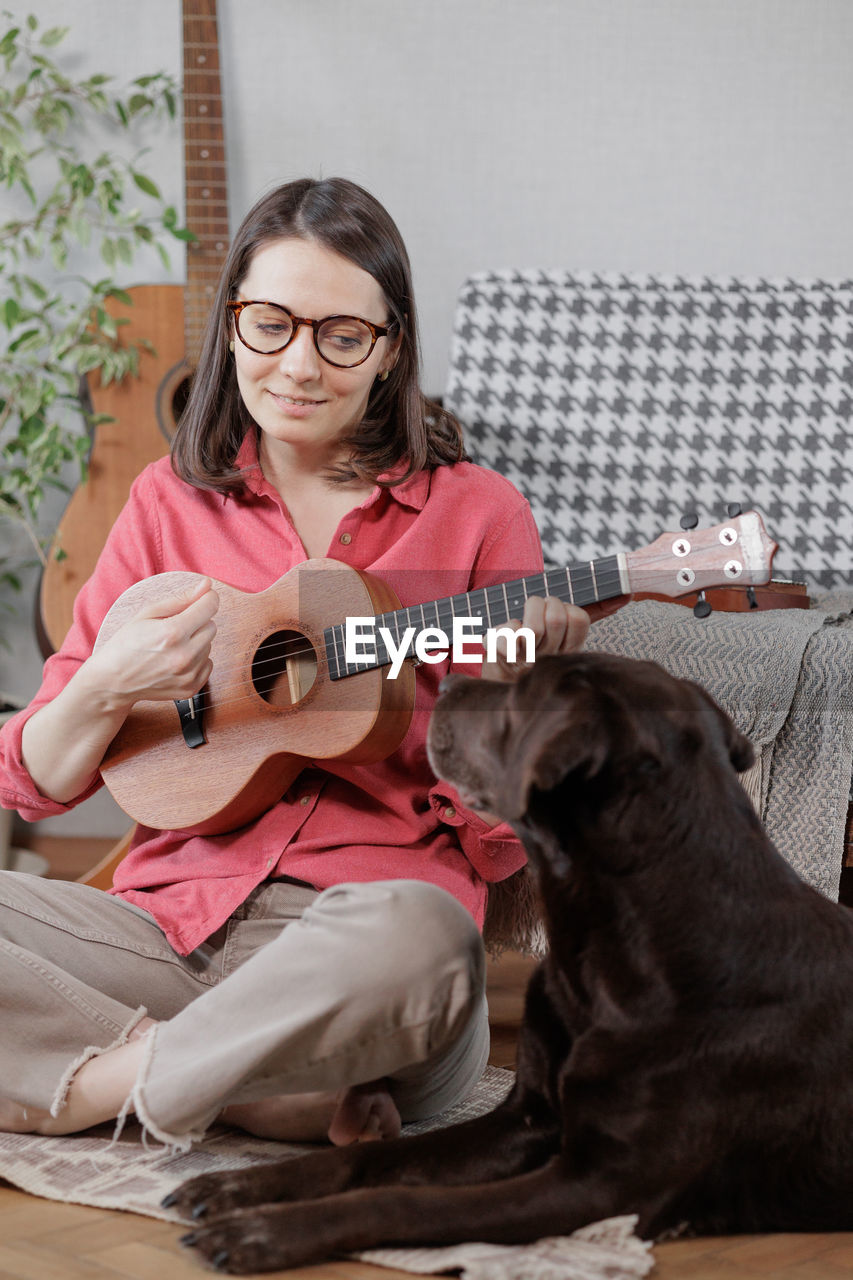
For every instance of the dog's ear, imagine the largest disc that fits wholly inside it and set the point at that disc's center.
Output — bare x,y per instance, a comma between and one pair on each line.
739,748
551,750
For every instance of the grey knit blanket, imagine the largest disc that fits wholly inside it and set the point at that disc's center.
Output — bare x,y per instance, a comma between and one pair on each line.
785,677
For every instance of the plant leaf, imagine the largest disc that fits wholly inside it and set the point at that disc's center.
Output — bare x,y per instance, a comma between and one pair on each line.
54,36
145,184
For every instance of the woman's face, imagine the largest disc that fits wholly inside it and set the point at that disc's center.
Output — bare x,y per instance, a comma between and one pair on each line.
299,401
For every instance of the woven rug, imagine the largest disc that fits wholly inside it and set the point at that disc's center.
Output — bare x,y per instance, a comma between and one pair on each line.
129,1174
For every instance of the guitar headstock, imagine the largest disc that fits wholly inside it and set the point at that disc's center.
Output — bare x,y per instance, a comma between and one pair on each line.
738,552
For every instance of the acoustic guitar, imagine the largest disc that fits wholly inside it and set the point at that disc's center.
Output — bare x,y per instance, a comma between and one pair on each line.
145,410
285,690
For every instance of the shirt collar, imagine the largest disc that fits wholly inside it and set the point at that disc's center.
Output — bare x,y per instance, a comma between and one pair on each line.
247,459
412,492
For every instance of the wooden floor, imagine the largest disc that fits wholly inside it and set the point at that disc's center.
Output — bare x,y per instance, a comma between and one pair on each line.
41,1240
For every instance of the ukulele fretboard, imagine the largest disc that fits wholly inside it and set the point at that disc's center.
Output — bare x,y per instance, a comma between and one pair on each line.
580,584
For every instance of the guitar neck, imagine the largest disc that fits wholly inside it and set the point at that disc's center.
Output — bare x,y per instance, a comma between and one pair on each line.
580,584
204,168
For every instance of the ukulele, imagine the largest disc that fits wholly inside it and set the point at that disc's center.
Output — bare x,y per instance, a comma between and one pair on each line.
284,690
145,410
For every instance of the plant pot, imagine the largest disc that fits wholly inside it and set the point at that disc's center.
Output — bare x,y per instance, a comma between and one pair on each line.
11,858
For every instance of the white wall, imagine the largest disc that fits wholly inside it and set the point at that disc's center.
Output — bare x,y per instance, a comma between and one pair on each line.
685,135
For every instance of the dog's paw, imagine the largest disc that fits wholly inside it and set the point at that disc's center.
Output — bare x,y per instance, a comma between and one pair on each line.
213,1194
248,1242
309,1177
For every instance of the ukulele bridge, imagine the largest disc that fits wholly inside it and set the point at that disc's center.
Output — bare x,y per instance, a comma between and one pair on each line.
191,713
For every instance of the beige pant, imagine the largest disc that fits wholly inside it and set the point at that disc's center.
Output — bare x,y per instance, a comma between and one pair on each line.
298,991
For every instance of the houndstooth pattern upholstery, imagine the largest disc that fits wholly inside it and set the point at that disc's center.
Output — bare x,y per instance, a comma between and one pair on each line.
619,403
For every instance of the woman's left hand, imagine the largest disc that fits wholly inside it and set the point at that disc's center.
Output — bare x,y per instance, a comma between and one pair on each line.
556,627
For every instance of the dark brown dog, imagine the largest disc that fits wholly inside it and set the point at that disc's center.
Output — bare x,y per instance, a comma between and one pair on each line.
687,1047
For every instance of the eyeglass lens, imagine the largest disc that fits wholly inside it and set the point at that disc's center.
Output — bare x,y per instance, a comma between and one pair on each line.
341,340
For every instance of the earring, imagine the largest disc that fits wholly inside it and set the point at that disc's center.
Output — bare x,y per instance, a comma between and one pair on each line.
231,346
383,377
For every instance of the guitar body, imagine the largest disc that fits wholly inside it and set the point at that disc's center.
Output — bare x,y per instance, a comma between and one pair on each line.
139,434
269,707
172,318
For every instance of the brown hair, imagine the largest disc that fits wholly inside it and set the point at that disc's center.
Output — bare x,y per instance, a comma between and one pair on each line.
400,425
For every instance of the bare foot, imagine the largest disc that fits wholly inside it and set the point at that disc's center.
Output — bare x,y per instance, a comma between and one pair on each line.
364,1113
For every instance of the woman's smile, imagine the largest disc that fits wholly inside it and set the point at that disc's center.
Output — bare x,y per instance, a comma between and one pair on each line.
298,406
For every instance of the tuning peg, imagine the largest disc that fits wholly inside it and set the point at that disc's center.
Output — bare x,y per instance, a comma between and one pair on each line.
701,608
750,595
733,510
689,521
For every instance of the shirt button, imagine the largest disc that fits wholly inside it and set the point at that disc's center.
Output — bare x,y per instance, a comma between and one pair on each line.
450,812
305,800
346,539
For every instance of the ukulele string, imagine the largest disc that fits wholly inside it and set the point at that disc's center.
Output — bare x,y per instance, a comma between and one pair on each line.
605,583
281,652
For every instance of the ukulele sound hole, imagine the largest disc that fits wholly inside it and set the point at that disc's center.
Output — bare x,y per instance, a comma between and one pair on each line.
284,668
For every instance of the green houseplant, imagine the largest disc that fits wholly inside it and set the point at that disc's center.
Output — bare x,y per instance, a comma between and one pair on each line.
79,213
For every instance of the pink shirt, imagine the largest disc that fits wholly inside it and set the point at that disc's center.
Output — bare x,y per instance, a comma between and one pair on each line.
441,532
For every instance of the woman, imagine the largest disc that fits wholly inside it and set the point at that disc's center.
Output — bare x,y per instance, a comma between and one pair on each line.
319,971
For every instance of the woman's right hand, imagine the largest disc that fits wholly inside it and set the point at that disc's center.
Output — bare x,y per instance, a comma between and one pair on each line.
162,653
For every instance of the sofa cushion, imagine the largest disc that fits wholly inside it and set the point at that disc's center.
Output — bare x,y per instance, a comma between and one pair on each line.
617,403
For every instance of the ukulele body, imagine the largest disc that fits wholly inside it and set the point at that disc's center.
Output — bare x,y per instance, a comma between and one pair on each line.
268,708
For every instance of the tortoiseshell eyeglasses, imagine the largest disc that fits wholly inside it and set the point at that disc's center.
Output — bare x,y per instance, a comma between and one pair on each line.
342,341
